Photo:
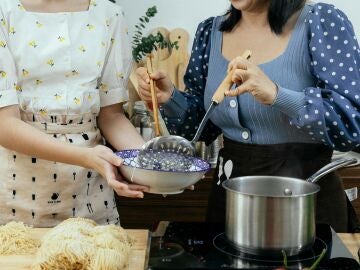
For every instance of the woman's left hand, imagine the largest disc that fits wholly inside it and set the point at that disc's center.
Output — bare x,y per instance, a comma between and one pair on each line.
104,161
250,78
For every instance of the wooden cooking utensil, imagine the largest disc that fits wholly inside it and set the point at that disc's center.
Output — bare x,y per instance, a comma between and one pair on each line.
153,96
177,144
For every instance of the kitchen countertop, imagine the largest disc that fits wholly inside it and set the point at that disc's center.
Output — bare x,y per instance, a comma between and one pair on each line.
352,242
140,252
138,257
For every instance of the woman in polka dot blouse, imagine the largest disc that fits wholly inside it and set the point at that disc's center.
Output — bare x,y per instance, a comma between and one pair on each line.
63,76
292,103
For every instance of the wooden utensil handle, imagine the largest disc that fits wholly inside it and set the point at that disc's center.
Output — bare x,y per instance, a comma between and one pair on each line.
226,84
153,97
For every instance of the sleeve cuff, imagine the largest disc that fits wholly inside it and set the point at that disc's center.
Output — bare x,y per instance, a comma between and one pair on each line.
176,106
8,97
289,102
113,96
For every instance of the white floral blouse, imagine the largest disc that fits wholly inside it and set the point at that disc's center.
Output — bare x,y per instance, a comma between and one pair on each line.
63,63
60,68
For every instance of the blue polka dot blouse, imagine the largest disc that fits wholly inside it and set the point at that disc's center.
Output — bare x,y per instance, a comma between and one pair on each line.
319,87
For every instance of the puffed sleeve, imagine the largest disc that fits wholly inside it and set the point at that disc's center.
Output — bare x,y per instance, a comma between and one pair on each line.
185,110
329,112
8,78
117,66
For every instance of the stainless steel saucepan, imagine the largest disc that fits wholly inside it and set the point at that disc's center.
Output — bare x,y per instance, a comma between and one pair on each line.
271,214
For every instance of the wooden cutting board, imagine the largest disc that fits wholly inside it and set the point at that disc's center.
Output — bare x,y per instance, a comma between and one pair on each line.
174,64
138,257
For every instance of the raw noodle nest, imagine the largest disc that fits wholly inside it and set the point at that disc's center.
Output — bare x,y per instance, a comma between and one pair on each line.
15,238
78,243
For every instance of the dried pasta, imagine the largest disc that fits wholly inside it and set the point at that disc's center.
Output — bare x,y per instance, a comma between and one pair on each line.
15,238
79,244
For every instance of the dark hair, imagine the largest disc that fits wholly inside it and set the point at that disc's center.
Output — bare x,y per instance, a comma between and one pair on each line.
112,1
279,13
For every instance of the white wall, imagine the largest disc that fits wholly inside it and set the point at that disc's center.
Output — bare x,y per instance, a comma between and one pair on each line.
351,8
188,13
172,14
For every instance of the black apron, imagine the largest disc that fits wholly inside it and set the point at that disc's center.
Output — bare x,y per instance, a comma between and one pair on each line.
298,160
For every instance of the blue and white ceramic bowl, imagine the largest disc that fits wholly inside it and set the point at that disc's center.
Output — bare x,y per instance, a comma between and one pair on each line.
162,181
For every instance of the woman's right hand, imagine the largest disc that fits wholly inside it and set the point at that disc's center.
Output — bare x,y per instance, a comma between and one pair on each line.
102,159
163,85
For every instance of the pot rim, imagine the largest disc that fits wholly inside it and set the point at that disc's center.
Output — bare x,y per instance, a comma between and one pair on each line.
303,182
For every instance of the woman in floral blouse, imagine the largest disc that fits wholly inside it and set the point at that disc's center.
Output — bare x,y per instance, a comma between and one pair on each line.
64,68
292,103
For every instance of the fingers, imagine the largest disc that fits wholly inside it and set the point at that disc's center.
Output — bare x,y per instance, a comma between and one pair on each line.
239,76
138,187
107,154
144,83
119,178
145,94
238,90
123,189
144,86
238,63
142,74
117,161
110,157
158,75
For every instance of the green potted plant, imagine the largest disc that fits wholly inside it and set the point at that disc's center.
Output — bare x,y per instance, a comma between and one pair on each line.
144,46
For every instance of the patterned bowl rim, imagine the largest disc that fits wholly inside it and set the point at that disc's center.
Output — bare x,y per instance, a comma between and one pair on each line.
130,153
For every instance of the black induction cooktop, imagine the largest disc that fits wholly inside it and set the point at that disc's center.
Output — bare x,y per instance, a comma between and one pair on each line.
205,246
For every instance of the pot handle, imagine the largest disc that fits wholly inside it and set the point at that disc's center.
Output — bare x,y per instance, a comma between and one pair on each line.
330,167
